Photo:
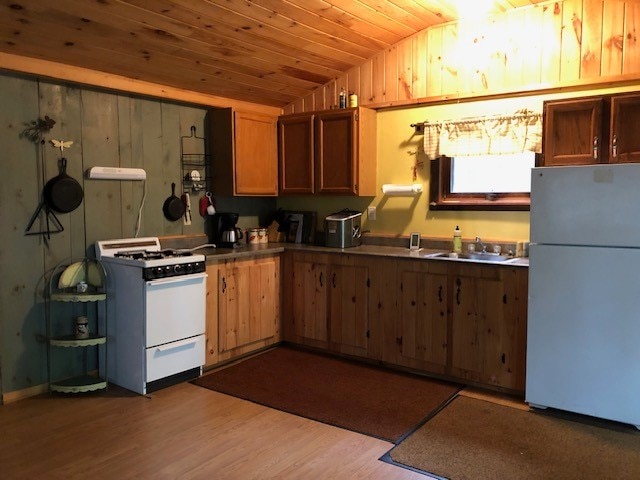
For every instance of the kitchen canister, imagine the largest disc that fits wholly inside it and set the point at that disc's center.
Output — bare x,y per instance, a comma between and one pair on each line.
257,235
82,327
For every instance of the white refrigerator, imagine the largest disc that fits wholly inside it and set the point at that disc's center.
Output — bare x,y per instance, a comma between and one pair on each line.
583,333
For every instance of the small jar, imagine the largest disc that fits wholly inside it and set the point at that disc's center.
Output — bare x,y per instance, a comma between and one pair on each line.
353,100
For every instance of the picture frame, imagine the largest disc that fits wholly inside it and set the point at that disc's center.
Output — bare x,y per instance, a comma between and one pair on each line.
414,241
296,223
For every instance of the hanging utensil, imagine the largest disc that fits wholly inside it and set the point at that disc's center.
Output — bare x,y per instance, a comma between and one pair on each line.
187,208
62,193
207,204
173,207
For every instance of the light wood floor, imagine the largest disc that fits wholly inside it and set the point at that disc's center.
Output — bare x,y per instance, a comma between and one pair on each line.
181,432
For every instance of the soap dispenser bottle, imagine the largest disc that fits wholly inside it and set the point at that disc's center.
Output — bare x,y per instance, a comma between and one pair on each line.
457,240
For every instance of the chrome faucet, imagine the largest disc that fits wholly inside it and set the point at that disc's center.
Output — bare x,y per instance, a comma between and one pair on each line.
484,247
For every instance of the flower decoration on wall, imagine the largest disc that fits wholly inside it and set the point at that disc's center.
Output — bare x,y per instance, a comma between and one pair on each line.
35,129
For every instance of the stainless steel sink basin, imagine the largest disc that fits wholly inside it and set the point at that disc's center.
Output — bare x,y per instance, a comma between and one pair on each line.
478,256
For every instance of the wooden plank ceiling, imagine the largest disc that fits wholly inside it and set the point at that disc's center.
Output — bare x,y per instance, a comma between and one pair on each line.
269,52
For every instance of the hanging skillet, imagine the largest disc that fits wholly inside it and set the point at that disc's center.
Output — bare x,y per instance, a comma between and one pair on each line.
62,193
173,207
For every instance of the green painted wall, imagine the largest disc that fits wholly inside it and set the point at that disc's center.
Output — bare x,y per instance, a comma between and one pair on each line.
107,130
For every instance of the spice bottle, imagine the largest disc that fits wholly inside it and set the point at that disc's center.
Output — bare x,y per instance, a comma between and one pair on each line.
457,240
343,99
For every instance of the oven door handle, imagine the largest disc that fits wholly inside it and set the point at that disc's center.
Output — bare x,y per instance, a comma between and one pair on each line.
180,278
181,343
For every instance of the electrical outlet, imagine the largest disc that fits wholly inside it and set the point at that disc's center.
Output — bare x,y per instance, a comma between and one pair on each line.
371,213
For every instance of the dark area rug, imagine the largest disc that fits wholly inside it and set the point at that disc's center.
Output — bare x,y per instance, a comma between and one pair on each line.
476,439
375,401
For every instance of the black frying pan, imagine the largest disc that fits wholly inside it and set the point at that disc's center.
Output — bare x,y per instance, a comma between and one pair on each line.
173,207
62,193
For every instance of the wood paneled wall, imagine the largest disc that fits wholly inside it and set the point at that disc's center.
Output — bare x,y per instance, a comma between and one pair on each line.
544,46
107,130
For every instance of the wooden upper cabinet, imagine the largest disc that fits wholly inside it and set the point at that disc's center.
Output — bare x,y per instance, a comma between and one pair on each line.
295,154
592,130
336,154
244,152
625,118
573,132
328,152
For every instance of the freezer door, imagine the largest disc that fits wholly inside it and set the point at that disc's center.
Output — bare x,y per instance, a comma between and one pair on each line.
586,205
583,337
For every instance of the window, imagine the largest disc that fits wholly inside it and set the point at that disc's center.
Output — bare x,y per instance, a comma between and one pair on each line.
492,173
483,182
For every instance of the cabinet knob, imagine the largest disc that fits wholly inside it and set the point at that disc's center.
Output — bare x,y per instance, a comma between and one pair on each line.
595,148
614,146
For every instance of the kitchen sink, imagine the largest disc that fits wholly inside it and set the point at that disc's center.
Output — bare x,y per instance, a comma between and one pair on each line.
478,256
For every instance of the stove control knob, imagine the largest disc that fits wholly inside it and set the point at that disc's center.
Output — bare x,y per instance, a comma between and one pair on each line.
188,268
157,272
178,269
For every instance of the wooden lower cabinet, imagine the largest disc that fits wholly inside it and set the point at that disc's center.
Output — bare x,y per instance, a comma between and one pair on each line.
348,305
248,306
458,320
326,302
211,357
422,315
305,299
488,325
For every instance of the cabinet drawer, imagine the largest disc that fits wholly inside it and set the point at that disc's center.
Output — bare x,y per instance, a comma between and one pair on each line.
171,358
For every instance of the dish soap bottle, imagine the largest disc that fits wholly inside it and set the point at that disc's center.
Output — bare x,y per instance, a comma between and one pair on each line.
457,240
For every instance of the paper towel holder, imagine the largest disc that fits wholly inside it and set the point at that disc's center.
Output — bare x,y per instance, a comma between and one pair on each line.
396,189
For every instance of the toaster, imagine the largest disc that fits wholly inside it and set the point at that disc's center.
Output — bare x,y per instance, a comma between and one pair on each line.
342,229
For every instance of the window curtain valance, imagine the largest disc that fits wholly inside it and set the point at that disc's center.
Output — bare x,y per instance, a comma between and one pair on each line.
496,135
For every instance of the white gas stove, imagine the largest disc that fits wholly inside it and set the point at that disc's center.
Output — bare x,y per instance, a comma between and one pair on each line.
156,306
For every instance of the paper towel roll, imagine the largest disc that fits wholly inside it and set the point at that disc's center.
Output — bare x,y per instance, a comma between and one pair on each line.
394,189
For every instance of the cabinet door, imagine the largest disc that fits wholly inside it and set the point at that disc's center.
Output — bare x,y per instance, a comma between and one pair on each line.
336,152
248,302
348,311
383,314
295,154
471,315
211,330
573,132
488,326
256,163
423,317
309,301
625,118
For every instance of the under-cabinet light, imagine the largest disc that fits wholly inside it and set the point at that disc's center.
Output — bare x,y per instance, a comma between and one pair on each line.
116,173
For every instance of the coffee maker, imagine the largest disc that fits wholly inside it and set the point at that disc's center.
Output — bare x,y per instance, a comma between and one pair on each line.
222,230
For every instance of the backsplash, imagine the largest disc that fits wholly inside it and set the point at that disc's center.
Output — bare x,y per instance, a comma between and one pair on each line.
517,249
